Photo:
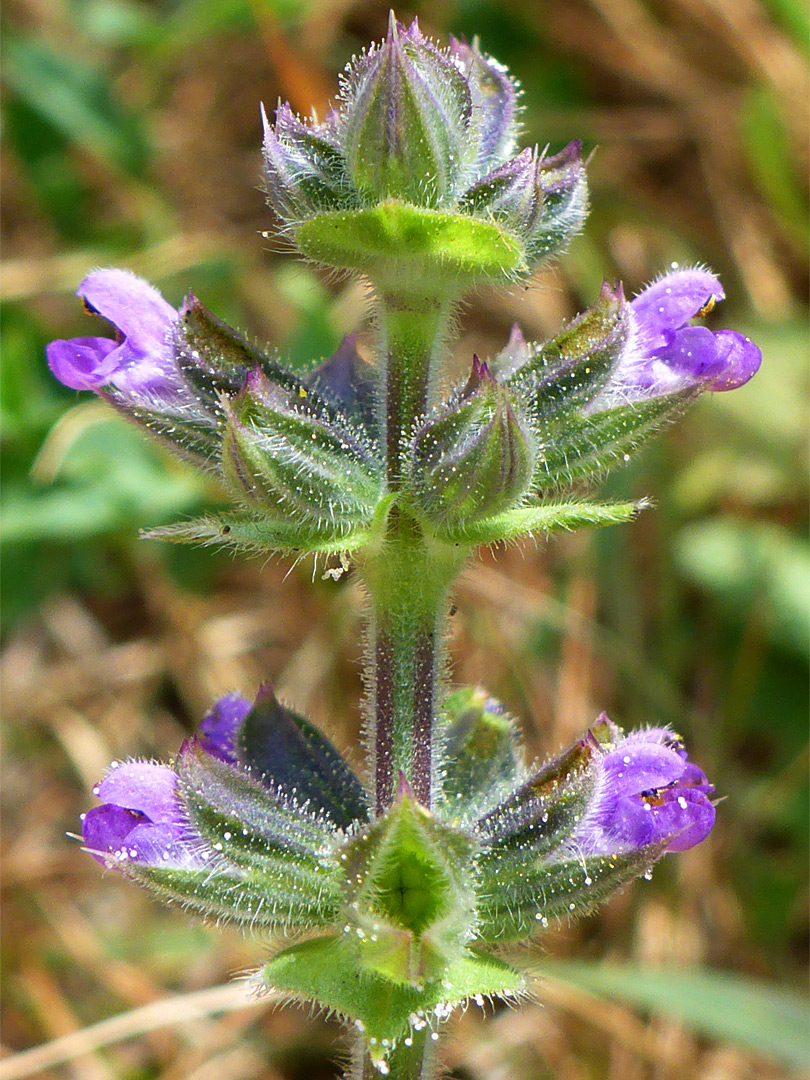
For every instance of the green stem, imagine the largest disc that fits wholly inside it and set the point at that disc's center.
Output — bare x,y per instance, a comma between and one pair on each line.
415,1061
407,576
408,579
412,328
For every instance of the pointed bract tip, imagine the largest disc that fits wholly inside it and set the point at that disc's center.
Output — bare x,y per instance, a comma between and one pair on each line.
404,789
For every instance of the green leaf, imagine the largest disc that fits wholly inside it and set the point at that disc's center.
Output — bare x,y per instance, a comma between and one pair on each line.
259,535
550,517
449,249
325,970
767,1018
78,101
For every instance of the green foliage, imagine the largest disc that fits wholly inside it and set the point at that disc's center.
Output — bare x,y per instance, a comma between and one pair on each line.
768,1018
324,969
447,252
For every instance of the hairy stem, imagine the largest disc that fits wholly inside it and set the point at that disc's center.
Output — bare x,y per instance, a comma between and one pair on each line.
415,1060
407,576
412,329
408,579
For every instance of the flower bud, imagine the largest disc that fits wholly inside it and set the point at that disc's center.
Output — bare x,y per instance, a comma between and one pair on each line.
474,458
480,750
406,120
494,98
283,453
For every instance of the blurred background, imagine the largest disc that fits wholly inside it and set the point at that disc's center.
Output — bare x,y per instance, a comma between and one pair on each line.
132,139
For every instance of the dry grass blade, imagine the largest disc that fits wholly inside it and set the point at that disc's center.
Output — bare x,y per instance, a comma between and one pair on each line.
175,1010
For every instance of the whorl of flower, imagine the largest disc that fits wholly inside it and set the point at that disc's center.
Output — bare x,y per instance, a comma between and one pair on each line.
430,128
261,820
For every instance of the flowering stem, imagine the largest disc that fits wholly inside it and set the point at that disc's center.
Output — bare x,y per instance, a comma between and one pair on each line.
415,1060
412,329
407,576
408,579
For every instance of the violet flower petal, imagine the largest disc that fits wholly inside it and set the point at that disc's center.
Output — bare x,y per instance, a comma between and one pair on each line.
740,359
144,786
220,724
633,768
669,303
132,305
83,363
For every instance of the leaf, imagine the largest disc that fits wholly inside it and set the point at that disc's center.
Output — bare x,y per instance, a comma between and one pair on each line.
748,564
262,534
549,517
734,1008
325,970
78,101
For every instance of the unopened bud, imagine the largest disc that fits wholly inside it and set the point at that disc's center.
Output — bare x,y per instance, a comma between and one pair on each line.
282,455
406,121
476,457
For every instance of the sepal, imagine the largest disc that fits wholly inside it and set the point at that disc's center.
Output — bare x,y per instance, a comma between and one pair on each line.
223,892
292,757
481,753
520,894
475,458
544,810
495,104
565,373
287,455
215,360
405,121
303,167
347,382
563,193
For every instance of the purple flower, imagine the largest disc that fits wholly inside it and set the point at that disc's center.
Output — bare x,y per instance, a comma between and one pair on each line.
139,363
219,726
646,792
665,354
140,819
